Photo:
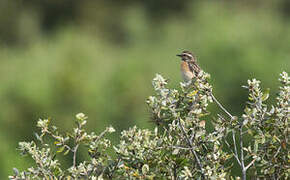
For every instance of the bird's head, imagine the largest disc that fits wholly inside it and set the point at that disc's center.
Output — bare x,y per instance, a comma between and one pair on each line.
186,56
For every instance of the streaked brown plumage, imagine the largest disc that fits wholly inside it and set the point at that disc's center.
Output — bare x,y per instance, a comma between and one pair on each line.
189,66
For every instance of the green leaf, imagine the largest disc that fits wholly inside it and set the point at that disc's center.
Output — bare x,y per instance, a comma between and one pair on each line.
193,93
265,94
60,149
66,152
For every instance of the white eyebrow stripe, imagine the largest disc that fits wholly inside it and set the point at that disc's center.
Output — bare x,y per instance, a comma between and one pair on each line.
188,55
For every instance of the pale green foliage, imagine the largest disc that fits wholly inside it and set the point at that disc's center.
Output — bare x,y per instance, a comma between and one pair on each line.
48,167
269,128
185,140
179,147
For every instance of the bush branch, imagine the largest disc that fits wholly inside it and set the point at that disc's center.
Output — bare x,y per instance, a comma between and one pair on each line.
234,153
250,164
244,170
75,155
191,147
220,105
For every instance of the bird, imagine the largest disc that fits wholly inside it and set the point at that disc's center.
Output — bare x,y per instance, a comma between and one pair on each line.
189,70
189,67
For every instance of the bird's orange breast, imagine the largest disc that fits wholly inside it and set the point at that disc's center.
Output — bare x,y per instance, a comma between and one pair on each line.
184,66
186,73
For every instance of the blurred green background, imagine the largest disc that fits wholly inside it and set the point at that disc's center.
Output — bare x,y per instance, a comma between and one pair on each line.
61,57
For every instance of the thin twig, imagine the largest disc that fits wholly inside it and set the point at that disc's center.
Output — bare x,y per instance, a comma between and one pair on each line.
114,169
77,145
240,161
66,146
242,153
191,148
220,105
75,155
235,144
277,152
245,132
174,172
250,164
235,155
179,147
100,136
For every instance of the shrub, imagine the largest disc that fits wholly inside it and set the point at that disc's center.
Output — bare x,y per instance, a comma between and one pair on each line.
180,146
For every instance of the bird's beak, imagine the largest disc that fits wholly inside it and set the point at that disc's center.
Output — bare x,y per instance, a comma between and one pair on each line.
179,55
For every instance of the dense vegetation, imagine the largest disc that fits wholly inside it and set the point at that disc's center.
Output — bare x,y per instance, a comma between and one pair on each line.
54,63
179,147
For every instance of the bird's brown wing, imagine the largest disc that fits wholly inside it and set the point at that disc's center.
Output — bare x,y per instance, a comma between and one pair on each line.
194,67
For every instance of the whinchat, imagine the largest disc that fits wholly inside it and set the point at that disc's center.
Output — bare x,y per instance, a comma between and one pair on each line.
189,66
